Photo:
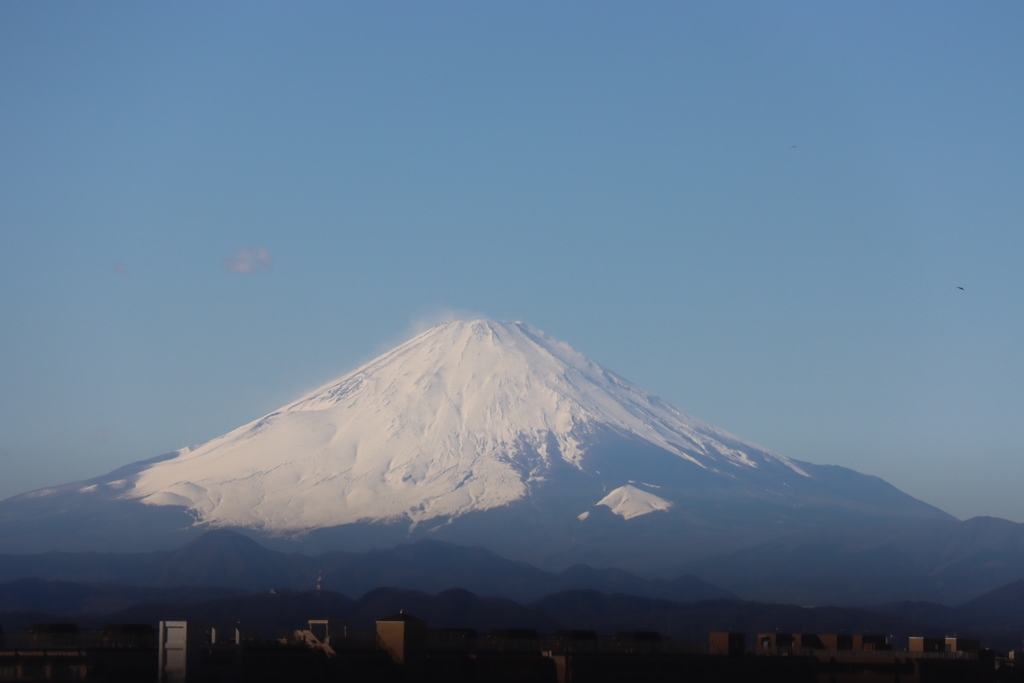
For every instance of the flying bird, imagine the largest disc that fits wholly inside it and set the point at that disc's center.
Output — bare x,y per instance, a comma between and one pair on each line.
960,288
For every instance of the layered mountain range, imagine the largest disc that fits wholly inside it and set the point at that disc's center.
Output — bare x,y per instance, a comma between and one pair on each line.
94,589
474,432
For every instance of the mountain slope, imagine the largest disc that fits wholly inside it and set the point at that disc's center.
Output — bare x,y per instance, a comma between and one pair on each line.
479,433
68,599
465,417
935,560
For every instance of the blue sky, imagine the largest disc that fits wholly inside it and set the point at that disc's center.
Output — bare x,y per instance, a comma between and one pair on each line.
761,212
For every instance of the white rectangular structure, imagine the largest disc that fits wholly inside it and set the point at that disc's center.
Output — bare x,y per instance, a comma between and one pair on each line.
182,644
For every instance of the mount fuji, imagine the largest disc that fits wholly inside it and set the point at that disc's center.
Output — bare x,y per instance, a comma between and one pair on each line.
474,432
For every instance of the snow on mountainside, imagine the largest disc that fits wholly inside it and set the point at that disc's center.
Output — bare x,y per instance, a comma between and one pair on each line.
629,502
468,416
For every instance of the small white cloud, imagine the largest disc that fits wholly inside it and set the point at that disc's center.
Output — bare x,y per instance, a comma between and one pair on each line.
248,260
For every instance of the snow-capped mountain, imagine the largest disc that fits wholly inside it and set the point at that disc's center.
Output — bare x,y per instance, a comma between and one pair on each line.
467,416
496,434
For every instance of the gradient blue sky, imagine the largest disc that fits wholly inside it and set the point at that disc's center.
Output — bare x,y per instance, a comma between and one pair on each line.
761,212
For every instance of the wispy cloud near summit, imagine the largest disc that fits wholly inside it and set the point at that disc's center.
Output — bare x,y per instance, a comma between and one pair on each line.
248,260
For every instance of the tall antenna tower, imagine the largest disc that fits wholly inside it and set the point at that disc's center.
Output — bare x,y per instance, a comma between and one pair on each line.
320,581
